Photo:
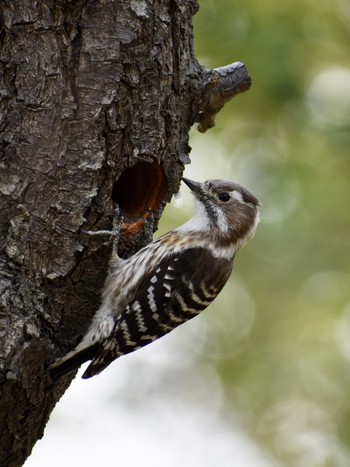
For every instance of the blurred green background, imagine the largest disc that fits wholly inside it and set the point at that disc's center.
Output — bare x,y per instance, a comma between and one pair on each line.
279,336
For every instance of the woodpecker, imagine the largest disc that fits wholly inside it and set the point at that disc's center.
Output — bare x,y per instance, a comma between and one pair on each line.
170,280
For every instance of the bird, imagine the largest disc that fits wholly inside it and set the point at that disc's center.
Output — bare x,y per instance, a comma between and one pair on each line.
170,280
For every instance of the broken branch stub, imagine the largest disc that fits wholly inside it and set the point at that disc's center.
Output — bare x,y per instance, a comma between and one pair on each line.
223,84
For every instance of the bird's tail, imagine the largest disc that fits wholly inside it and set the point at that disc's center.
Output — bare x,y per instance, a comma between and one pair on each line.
72,361
104,356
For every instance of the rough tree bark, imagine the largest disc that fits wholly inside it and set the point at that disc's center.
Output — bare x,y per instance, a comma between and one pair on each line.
97,98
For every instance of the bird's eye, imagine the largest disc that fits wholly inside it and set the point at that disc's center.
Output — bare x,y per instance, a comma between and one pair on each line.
224,197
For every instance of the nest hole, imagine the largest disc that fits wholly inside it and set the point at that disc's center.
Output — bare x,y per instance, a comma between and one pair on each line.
140,190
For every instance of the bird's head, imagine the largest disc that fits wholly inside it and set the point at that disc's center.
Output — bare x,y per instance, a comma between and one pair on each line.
225,208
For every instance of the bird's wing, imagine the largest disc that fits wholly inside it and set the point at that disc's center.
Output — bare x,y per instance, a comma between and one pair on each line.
179,288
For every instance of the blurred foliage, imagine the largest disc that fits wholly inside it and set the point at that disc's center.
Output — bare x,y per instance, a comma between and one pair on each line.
279,336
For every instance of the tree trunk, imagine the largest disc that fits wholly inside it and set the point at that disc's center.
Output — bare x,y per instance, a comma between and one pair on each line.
97,98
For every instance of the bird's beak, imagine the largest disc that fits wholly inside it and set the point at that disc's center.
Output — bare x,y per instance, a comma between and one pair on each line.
193,186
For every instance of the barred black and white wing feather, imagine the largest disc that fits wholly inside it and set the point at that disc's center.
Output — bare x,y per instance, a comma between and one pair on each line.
178,289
